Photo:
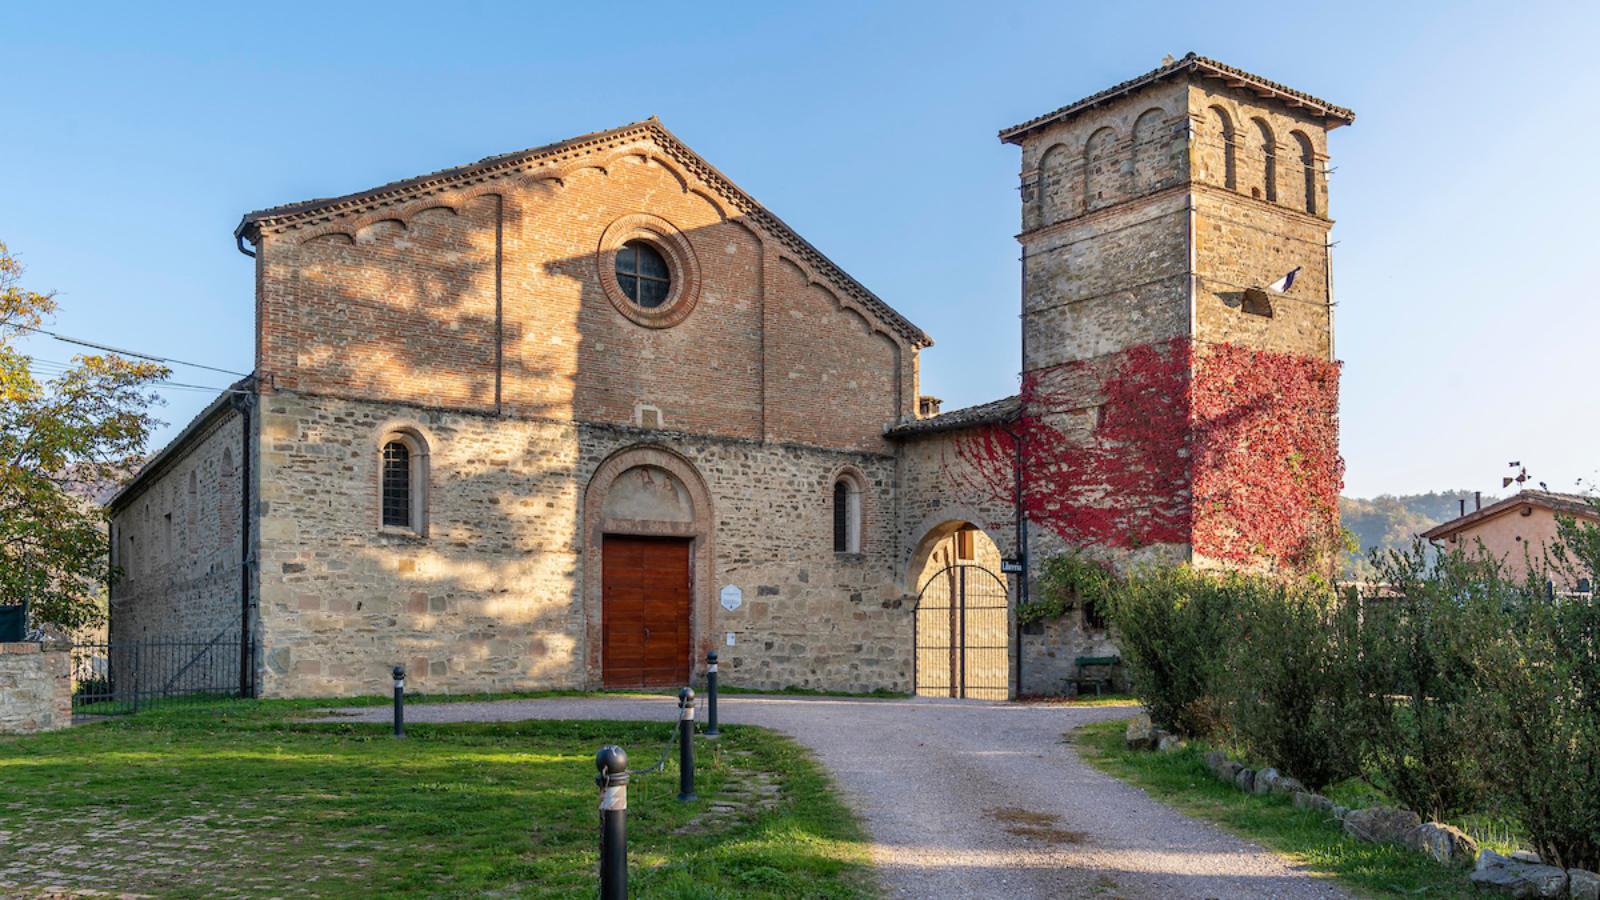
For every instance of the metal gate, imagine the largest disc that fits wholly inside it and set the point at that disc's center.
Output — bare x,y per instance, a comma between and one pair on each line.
124,676
962,635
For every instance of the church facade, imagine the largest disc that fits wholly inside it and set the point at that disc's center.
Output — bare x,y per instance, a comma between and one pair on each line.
577,415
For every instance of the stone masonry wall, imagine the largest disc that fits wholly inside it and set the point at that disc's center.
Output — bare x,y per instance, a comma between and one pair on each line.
1145,219
491,598
35,687
177,543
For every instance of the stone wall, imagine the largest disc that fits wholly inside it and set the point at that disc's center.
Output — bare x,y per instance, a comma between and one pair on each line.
177,540
493,596
1138,253
35,687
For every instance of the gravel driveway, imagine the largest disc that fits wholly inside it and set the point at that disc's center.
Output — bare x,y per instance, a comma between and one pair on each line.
972,799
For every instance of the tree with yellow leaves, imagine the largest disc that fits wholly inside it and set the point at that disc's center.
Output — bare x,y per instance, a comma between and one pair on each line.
59,437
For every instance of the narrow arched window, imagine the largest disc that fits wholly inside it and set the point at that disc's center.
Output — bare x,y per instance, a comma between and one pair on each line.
403,483
1223,126
846,516
396,485
1269,162
1308,170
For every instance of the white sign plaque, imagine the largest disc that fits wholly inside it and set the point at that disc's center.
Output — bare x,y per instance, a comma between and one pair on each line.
732,597
730,639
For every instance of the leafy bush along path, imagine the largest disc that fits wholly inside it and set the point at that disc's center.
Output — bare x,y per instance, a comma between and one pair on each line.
238,800
1180,778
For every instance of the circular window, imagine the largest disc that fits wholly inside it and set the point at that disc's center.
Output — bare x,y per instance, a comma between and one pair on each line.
643,275
648,270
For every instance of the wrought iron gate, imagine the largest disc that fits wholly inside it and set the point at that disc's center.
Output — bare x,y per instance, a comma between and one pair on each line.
124,676
962,635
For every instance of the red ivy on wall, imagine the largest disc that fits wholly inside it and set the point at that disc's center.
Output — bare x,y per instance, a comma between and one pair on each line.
1233,450
1267,471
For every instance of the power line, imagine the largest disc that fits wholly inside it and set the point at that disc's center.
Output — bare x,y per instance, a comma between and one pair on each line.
117,350
46,367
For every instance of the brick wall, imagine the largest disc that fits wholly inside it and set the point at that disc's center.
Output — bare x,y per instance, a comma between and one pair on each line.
35,687
417,303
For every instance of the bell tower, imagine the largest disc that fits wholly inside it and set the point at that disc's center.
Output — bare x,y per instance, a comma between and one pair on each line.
1179,389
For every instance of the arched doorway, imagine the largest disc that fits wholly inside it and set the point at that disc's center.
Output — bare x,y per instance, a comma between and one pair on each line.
962,618
647,570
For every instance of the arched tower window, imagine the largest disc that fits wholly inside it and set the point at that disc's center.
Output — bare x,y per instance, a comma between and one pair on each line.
1308,169
1223,136
846,515
403,482
1269,162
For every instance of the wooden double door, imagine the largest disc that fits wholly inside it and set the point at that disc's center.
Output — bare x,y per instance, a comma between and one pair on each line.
646,597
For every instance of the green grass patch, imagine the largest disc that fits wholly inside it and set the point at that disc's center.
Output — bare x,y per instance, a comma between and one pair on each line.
247,799
1084,700
1313,838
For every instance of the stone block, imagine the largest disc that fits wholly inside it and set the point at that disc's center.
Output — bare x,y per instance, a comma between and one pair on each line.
1266,780
1245,780
1507,877
1445,843
1582,885
1140,734
1381,824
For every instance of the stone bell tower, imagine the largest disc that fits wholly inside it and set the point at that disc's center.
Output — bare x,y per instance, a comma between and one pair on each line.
1179,382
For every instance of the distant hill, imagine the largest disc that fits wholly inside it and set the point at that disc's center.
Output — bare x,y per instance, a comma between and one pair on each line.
1389,522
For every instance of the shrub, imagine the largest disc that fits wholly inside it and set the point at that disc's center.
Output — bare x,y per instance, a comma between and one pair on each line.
1540,725
1423,637
1172,628
1289,684
1067,582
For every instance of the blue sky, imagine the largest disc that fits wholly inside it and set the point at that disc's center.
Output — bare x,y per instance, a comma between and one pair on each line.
1466,192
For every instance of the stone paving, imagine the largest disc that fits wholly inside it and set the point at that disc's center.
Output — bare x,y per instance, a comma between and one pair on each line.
971,799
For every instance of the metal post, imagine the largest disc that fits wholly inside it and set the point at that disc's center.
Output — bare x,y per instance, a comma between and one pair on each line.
711,695
399,701
963,586
612,761
686,745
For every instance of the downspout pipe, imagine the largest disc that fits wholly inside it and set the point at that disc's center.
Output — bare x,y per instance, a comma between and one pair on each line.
244,403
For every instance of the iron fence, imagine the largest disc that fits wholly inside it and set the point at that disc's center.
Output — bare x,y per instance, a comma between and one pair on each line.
125,676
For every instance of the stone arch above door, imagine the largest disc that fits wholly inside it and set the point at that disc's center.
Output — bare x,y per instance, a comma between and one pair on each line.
648,491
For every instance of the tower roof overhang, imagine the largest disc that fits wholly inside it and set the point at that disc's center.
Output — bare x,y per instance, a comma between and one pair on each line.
1201,67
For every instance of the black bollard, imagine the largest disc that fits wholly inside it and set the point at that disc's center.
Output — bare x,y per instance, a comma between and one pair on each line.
399,701
711,695
612,761
686,745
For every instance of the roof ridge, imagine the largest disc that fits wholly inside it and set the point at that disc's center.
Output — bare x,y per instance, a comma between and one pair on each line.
287,216
1190,61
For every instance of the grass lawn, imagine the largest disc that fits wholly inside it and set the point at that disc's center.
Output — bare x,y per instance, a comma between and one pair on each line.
1181,780
239,799
1083,700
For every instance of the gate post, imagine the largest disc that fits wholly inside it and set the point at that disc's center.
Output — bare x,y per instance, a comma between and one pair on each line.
961,584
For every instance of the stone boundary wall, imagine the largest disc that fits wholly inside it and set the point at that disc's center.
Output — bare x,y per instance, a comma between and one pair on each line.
35,687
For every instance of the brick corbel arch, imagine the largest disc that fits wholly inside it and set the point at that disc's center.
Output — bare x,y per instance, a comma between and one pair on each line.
699,530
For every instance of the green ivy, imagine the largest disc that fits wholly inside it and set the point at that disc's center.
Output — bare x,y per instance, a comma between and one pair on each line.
1067,582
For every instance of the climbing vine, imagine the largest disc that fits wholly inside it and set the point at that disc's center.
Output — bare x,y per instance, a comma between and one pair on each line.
1267,465
1230,449
1066,582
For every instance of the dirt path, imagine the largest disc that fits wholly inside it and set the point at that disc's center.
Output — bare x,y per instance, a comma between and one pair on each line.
970,799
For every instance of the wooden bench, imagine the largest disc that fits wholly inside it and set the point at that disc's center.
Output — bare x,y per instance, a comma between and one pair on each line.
1099,681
